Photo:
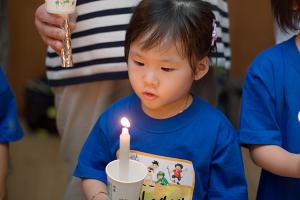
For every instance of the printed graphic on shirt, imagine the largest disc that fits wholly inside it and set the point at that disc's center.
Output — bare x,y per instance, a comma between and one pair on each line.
167,178
299,116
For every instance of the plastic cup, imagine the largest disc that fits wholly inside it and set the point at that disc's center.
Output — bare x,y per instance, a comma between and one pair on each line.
60,7
125,190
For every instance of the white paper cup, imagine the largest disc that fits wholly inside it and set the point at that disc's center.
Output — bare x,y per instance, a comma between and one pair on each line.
61,7
125,190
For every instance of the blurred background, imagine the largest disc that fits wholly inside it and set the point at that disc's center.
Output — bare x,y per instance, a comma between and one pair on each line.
37,171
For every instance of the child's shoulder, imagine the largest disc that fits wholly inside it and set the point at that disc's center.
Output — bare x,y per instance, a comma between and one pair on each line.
272,57
119,108
214,122
121,104
110,118
210,114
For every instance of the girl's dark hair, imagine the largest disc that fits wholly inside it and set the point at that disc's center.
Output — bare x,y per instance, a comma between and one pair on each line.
188,23
286,17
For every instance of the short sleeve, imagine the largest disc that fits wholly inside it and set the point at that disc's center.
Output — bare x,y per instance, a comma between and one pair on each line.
227,178
94,156
10,129
258,123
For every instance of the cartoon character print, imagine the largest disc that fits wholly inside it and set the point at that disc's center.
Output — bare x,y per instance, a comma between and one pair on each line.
151,171
161,178
167,178
177,173
134,156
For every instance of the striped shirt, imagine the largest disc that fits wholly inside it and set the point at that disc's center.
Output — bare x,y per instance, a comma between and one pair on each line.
98,42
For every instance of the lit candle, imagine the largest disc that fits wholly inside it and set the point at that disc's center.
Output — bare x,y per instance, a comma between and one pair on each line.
124,150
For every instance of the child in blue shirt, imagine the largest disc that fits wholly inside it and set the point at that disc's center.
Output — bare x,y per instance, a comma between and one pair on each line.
270,115
182,140
10,129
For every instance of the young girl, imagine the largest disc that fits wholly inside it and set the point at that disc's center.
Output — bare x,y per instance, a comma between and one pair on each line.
270,116
10,129
167,47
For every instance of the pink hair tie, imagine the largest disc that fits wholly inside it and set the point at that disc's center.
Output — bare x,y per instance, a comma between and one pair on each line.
214,33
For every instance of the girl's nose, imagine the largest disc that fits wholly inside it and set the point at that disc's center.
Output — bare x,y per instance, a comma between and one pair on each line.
150,78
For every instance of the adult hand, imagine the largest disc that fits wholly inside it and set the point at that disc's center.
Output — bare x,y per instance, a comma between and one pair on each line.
49,27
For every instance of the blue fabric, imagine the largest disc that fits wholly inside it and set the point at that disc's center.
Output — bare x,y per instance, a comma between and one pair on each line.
10,129
271,112
200,134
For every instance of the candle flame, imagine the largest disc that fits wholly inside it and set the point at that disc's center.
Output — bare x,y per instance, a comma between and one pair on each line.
125,122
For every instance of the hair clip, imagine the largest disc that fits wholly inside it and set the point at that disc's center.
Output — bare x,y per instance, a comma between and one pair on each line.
214,33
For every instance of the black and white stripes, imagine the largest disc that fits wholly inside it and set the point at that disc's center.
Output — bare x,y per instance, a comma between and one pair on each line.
98,39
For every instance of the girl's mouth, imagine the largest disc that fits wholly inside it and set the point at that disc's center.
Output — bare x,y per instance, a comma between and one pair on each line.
149,96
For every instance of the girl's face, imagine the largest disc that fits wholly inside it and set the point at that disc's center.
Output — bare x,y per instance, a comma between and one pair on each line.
161,78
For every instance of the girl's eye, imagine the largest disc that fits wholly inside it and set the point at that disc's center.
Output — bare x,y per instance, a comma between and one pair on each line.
167,69
139,63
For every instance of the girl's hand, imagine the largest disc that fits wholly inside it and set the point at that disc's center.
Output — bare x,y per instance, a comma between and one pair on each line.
100,196
94,189
49,27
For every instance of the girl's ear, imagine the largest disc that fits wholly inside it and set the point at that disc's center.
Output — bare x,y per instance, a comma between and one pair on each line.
201,68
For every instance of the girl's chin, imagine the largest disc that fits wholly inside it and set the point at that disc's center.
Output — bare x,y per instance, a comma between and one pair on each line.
150,107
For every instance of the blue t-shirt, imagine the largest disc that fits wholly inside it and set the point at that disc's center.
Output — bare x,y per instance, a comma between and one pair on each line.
10,129
195,154
270,112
